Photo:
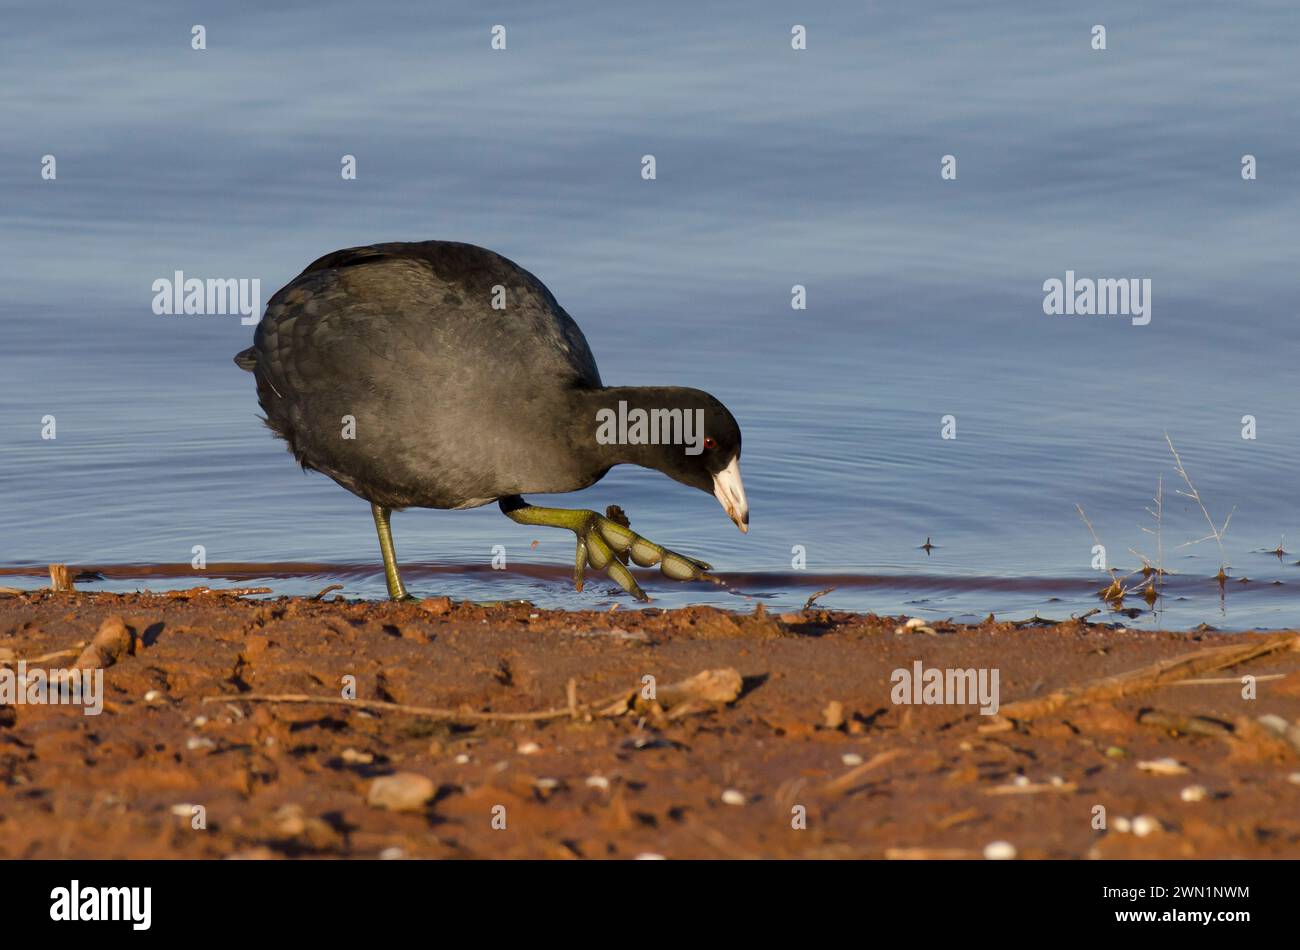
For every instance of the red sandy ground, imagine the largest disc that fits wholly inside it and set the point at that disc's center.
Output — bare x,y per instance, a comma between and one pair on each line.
293,780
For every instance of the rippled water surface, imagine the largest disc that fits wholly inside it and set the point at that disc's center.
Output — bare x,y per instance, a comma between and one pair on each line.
775,168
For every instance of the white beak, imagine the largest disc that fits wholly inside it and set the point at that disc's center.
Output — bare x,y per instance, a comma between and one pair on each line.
730,492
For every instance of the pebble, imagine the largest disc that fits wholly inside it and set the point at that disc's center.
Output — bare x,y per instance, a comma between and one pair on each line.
1194,793
529,748
913,623
833,714
199,742
403,791
1122,825
1000,851
1164,766
1020,780
462,759
733,797
437,606
200,721
392,854
547,784
851,758
1274,723
1144,825
183,810
1294,778
353,757
152,696
597,781
650,856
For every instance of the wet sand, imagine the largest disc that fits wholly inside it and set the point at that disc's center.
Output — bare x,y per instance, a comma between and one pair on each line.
804,755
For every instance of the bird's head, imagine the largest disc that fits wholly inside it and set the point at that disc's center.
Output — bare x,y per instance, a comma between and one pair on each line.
685,433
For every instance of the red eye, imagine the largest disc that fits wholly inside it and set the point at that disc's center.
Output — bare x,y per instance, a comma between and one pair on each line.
710,442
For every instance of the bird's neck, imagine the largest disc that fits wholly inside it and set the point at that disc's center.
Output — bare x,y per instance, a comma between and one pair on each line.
636,424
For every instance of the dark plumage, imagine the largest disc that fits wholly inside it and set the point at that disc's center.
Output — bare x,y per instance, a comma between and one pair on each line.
455,403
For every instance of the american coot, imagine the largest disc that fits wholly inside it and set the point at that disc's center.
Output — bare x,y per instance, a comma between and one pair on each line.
441,375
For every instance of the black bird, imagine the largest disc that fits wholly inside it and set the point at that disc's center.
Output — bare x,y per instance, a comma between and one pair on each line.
441,375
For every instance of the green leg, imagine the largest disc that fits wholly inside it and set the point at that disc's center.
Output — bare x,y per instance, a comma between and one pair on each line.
601,540
395,589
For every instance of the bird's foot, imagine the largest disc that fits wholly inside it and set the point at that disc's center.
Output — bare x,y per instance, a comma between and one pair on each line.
607,545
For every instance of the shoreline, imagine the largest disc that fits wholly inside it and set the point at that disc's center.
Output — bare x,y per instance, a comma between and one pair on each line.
791,746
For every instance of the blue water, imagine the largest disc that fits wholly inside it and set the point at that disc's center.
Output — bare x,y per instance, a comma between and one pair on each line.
775,167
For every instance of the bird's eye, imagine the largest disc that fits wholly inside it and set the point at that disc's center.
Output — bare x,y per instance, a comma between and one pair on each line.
710,442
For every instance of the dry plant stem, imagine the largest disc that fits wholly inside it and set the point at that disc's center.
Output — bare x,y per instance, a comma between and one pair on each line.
1164,673
850,778
1215,532
807,604
61,578
710,688
426,712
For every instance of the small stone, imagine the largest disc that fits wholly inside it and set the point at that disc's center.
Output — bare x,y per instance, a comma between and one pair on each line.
392,854
199,742
462,759
1165,766
1274,723
1144,825
913,623
183,810
152,696
436,606
403,791
1000,851
1115,752
1020,781
200,721
1294,778
597,781
529,748
547,784
1057,781
833,714
650,856
353,757
1194,793
851,758
1122,825
733,797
